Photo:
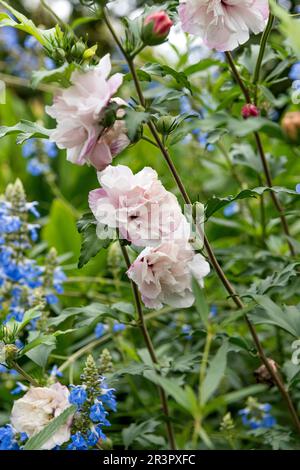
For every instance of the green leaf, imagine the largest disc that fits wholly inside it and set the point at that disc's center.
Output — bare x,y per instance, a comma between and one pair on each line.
25,130
182,396
164,70
214,374
37,441
142,76
286,318
275,281
203,65
138,431
28,316
134,121
200,302
61,75
216,203
94,239
24,24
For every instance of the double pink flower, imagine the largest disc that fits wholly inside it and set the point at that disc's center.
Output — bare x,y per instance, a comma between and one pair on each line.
223,24
146,214
78,111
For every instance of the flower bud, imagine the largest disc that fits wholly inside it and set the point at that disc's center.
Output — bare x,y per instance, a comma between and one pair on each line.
291,125
78,50
166,124
156,28
250,110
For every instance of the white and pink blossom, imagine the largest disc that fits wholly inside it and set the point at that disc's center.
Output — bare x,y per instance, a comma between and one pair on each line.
138,205
164,274
32,412
78,111
223,24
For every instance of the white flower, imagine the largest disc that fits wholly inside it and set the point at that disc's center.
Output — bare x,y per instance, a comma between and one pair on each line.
164,274
32,412
223,24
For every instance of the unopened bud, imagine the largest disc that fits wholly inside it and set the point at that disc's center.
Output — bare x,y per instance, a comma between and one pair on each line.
156,28
250,110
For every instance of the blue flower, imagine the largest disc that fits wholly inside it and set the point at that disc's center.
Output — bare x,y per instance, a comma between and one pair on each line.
78,395
295,72
100,330
50,148
257,416
9,38
77,442
7,438
98,413
213,311
19,389
298,188
186,330
117,327
49,63
37,168
31,42
100,433
55,372
231,209
108,398
52,299
92,438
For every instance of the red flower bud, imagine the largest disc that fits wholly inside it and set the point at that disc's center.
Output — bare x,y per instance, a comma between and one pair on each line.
156,28
250,110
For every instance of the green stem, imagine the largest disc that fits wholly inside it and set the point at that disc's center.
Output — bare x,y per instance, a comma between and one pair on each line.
24,374
144,330
261,54
226,283
149,141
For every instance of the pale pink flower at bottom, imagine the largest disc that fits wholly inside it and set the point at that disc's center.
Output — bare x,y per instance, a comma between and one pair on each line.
32,412
164,274
223,24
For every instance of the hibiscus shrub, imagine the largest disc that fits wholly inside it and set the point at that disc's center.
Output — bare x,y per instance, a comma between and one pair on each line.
158,307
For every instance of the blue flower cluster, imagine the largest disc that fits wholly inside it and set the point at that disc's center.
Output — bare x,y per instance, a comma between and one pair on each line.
257,415
38,153
22,59
22,280
92,399
101,329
